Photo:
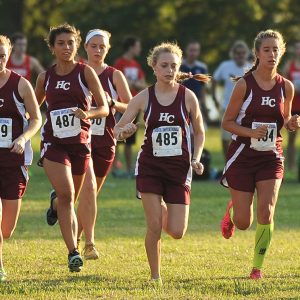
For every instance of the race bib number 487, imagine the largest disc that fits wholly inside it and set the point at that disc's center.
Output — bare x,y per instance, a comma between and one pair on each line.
5,132
64,123
167,141
268,142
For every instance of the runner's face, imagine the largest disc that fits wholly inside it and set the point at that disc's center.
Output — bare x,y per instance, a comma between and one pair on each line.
269,53
4,55
297,50
167,67
193,51
137,48
240,55
20,46
97,48
65,47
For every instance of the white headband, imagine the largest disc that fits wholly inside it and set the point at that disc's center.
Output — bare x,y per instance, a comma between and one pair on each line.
96,32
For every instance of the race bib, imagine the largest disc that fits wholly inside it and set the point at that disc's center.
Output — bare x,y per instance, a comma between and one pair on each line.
98,126
267,143
167,141
64,123
5,132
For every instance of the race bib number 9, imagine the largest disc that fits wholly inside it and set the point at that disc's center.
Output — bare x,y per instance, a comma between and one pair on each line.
64,123
98,126
268,142
5,132
167,141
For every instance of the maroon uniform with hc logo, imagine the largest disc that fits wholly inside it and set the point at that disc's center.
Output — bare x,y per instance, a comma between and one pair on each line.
13,122
103,141
65,138
251,160
163,165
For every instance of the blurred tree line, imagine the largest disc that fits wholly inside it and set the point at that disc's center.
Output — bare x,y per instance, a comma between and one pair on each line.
215,23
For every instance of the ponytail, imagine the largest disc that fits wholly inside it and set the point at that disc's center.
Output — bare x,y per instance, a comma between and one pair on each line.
181,76
254,67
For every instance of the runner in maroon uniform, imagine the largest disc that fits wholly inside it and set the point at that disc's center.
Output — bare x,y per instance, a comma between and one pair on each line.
164,163
260,106
103,142
16,98
67,88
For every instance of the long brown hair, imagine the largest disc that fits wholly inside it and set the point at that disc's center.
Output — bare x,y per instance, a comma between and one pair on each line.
257,44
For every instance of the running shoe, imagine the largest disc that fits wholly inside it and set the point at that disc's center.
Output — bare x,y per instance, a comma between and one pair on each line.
75,261
90,252
51,215
2,275
156,283
227,226
255,274
138,195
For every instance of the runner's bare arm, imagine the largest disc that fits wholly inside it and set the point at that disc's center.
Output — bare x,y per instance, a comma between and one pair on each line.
193,108
125,128
39,88
229,120
123,91
96,89
291,122
27,94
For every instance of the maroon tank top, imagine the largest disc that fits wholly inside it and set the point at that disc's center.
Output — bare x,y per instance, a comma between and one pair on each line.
63,94
261,106
166,151
13,123
102,129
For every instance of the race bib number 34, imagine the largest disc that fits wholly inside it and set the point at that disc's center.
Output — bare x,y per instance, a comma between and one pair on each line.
268,142
64,123
167,141
5,132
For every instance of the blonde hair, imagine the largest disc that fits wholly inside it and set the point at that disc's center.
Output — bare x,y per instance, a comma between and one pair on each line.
5,41
261,36
173,48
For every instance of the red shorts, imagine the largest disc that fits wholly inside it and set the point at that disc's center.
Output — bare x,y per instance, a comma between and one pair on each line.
76,156
172,193
246,166
13,182
103,158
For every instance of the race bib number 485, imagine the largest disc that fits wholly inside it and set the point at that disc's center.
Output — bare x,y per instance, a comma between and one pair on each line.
268,142
64,123
5,132
167,141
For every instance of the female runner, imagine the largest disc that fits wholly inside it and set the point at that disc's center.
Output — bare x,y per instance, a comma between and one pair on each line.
16,99
259,107
103,143
66,87
165,162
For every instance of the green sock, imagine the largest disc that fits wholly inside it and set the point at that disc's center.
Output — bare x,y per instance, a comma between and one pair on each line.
263,238
231,214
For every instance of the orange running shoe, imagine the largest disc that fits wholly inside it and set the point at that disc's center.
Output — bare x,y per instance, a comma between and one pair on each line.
227,226
255,274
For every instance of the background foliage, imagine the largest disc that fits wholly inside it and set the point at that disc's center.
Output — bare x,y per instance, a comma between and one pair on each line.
216,23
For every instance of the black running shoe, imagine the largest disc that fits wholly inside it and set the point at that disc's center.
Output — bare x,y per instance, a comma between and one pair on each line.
75,261
51,215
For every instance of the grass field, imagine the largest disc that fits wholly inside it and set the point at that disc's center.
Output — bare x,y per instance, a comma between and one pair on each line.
201,266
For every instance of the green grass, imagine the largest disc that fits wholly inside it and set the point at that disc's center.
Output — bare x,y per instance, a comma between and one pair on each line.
201,266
